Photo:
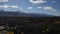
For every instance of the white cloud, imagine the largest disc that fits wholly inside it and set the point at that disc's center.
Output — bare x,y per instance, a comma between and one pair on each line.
14,6
3,0
39,7
37,1
29,7
5,6
49,8
8,6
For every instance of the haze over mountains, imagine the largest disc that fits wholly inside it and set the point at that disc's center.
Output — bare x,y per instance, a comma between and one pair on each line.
22,14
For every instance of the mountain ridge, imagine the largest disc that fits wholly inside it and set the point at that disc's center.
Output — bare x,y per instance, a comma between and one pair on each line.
22,14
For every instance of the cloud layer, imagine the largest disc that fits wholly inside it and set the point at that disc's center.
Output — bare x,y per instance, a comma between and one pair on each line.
39,7
29,7
37,1
3,0
8,6
49,8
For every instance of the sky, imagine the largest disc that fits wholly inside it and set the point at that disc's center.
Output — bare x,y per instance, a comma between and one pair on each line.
51,7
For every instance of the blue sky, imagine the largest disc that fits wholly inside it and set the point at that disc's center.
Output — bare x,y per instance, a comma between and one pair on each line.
32,6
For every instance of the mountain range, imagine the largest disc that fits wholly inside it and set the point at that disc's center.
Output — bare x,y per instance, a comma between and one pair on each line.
22,14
